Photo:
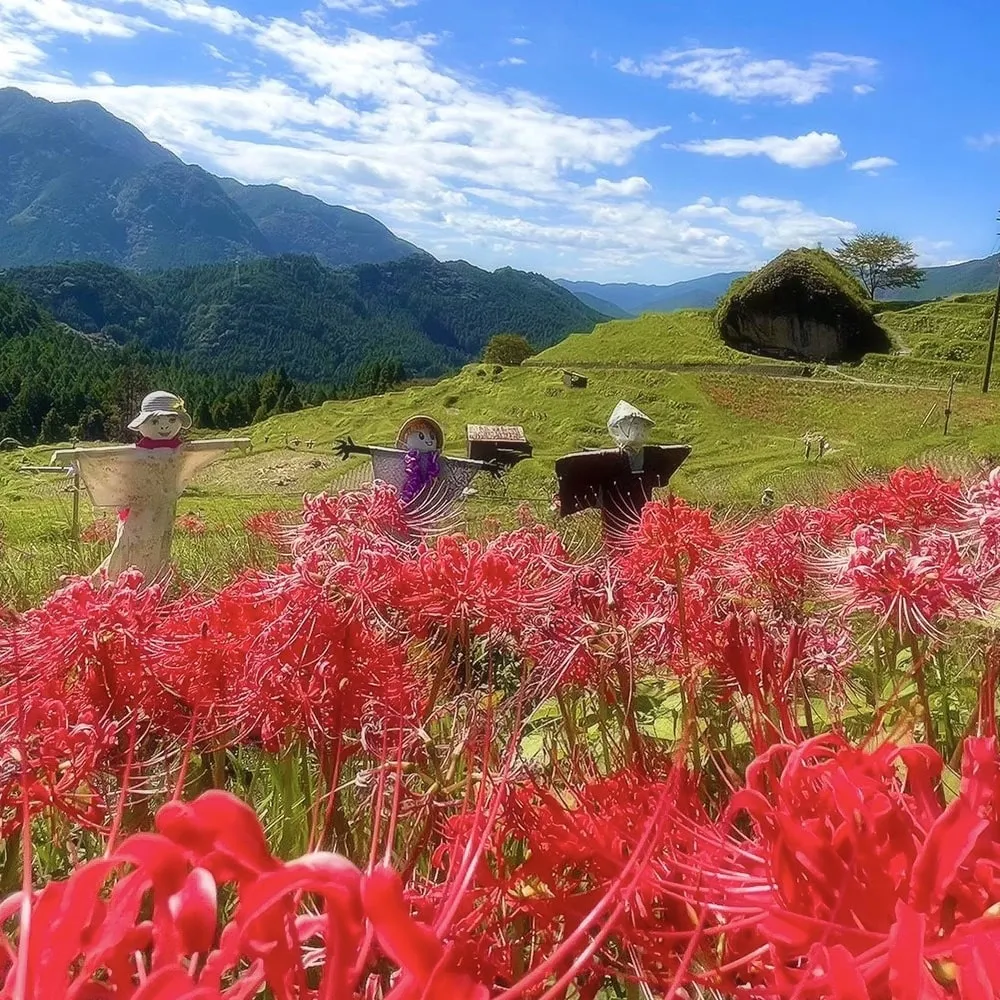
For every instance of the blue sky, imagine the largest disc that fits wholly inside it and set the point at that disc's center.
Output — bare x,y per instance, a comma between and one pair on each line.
609,141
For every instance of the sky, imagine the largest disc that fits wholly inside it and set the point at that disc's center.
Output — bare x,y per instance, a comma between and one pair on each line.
603,140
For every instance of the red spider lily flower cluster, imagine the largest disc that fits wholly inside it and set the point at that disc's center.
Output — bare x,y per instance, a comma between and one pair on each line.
191,524
723,833
161,933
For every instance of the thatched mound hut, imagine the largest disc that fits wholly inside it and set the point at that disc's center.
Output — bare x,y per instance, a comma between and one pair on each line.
801,305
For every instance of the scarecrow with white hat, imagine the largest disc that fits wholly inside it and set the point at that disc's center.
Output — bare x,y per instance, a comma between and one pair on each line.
144,481
416,468
620,481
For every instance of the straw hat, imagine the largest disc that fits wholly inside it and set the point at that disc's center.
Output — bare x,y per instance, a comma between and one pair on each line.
413,422
160,404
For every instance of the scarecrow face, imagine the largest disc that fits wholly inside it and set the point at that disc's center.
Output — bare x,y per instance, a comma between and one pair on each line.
421,437
630,432
162,426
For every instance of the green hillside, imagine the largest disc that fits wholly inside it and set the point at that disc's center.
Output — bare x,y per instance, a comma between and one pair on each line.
79,184
316,323
685,337
746,423
969,277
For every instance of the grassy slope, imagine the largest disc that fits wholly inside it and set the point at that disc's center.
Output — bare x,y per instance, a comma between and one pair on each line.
746,430
684,337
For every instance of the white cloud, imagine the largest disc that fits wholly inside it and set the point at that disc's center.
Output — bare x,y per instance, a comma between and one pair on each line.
519,41
630,187
225,20
816,149
874,164
983,142
69,17
369,6
768,206
378,123
737,75
512,61
102,79
862,89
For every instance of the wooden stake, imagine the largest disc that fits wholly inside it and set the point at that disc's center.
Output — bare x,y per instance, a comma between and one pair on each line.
76,507
993,340
947,411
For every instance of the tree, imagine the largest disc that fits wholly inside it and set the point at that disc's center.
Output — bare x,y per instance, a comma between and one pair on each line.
880,260
507,349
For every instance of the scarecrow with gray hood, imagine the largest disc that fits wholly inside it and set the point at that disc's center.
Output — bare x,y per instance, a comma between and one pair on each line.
620,481
425,479
143,482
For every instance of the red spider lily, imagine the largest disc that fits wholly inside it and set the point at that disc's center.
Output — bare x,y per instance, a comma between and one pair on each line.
191,524
53,762
270,526
556,853
909,501
326,519
775,561
914,587
77,944
856,882
671,539
101,530
89,646
483,587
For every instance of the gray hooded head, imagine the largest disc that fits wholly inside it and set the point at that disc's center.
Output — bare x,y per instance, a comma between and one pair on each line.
629,426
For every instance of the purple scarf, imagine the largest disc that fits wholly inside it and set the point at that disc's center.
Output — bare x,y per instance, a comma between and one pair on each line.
422,468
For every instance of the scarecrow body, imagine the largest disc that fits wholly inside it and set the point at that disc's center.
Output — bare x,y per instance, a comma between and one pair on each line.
427,481
618,481
143,482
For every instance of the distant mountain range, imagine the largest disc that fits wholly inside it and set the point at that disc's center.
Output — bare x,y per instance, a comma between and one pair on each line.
702,293
633,299
77,183
318,324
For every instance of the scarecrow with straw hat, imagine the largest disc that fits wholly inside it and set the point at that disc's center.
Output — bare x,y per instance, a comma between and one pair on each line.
619,481
144,481
416,467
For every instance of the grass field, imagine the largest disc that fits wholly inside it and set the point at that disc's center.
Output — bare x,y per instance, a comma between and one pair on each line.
746,430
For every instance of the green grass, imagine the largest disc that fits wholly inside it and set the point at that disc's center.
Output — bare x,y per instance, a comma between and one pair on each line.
681,338
745,429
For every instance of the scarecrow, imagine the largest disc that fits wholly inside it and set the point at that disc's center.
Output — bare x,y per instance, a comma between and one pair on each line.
416,468
618,481
144,481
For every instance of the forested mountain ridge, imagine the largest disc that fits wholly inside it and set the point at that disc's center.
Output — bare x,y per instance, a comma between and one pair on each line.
77,183
55,382
316,323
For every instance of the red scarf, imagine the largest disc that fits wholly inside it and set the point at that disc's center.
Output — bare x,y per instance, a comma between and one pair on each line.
158,443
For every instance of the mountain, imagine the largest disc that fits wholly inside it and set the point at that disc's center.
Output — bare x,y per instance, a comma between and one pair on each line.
702,293
633,299
77,183
55,382
952,279
602,305
699,293
316,323
296,223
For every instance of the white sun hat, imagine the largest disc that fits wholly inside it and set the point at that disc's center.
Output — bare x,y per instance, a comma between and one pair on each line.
160,404
628,425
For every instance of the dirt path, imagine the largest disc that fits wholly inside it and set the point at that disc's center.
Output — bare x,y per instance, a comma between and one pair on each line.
789,372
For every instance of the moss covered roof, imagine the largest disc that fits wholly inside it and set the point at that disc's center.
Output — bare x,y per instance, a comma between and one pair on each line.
809,284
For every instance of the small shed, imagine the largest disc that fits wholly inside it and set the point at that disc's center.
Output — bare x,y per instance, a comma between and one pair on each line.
504,444
574,380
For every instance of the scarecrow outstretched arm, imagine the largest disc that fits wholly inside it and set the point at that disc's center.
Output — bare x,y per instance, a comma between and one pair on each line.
345,447
69,456
220,444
